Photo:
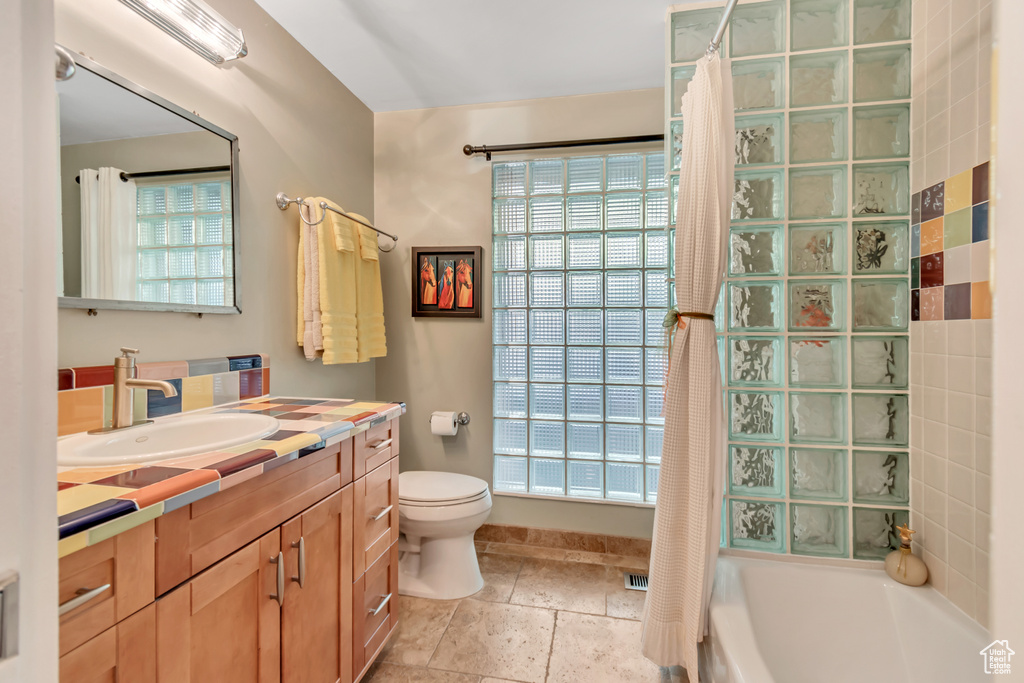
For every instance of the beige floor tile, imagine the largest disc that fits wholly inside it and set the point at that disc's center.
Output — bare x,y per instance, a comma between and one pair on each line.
492,639
421,624
526,551
561,585
622,603
599,649
499,572
384,672
496,680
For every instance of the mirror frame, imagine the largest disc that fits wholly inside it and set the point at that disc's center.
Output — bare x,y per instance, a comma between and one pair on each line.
232,139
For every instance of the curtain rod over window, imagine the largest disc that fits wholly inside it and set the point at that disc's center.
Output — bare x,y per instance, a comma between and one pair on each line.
177,171
488,150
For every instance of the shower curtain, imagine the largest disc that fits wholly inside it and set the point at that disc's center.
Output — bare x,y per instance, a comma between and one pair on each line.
687,518
110,234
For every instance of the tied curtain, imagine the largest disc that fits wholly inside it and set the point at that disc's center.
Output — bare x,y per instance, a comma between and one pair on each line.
110,234
687,518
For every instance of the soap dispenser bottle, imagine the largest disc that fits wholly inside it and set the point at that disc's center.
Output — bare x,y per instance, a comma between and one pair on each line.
903,565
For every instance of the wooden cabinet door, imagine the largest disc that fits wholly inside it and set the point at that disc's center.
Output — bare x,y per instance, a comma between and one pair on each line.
224,624
316,618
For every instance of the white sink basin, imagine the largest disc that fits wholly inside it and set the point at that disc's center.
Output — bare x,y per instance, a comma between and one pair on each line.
172,437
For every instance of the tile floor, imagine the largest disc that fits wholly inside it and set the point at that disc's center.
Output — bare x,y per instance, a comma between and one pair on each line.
543,616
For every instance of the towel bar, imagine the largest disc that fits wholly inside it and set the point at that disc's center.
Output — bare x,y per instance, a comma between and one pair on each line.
283,201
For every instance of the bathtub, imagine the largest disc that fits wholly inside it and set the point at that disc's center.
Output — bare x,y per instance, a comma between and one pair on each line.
788,622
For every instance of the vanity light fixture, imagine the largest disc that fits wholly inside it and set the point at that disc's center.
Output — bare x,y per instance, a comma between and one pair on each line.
196,25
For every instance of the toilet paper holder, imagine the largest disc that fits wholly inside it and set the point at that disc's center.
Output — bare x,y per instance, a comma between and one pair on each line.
462,418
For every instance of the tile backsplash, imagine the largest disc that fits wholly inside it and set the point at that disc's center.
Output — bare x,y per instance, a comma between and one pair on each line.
85,395
949,266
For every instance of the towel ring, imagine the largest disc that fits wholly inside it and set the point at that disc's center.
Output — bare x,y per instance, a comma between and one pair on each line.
302,205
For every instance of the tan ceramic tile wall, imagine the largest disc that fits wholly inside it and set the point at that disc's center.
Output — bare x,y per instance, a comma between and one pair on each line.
951,365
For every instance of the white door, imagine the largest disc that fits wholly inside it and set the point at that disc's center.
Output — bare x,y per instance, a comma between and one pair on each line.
28,334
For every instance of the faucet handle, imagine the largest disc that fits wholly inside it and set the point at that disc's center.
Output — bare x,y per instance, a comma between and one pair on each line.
125,350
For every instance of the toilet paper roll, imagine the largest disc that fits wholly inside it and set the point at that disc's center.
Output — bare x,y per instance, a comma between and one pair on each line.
444,423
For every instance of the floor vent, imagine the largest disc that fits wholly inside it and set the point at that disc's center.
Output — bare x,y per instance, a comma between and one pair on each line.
635,582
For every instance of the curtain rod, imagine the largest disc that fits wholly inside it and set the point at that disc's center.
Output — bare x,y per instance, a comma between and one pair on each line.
488,150
177,171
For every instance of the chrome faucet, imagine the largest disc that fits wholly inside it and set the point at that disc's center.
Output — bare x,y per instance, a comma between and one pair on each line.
125,382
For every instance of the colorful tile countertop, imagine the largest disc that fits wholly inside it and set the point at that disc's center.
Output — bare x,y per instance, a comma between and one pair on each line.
96,503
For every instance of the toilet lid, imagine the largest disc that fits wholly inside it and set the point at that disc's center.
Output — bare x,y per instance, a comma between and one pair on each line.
437,487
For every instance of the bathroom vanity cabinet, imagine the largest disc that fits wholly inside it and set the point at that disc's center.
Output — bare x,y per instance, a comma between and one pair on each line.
289,576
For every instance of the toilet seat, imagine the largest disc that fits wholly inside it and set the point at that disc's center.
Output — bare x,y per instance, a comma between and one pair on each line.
438,489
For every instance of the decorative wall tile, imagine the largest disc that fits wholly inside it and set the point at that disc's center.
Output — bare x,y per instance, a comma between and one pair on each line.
755,416
958,192
881,189
957,229
957,301
931,303
931,236
932,270
980,183
981,301
755,306
79,410
933,202
979,222
760,139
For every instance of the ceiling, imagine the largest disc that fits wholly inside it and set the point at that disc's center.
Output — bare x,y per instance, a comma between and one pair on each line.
413,54
93,109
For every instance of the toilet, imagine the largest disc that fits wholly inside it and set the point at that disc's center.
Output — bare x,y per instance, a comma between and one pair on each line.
438,514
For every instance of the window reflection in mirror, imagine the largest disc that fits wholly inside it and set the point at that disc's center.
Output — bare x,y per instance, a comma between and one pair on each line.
146,201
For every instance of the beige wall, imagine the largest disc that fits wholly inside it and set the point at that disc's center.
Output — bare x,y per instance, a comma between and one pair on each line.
152,153
951,360
300,131
431,194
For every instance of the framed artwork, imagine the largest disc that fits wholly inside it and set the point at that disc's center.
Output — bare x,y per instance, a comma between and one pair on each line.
446,282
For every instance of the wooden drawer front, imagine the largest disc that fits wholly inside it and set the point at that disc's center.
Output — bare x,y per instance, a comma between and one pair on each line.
374,447
125,653
194,538
125,564
376,515
371,624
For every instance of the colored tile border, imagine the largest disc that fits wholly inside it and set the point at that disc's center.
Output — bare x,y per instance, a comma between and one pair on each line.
949,216
201,383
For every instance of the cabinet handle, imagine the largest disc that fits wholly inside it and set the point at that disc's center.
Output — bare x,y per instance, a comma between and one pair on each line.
385,599
279,561
84,596
382,513
377,445
301,578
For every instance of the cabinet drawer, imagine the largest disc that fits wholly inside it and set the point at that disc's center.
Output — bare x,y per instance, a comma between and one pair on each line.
374,599
374,447
375,515
105,583
195,537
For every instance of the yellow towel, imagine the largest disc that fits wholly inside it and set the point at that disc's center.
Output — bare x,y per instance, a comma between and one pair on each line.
370,296
338,289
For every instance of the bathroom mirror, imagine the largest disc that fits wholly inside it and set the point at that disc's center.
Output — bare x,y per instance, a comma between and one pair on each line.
148,199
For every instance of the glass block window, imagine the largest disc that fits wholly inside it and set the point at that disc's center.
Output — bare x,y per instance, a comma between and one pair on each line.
814,309
581,255
185,241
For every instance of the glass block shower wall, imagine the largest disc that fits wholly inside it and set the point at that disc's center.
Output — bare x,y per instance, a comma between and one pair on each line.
814,311
580,290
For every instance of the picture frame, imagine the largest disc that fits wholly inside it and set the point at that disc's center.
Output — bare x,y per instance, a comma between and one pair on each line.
446,282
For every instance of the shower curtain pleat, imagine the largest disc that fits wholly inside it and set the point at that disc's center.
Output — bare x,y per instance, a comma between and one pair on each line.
687,519
110,234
